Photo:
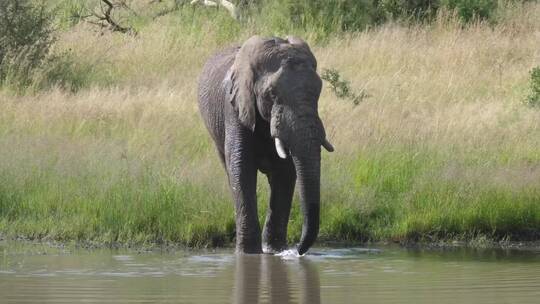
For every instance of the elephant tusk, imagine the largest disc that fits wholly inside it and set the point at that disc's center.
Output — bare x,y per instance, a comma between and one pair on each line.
327,145
280,149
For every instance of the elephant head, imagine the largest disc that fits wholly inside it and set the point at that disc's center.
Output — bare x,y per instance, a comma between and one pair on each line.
276,80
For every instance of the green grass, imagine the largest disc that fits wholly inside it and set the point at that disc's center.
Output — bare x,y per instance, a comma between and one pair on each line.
131,210
99,195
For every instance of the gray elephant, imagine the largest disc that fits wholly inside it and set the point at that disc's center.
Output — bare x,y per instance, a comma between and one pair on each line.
259,103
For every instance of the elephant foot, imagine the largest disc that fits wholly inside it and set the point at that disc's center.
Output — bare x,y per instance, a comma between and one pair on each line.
244,250
249,245
274,240
274,248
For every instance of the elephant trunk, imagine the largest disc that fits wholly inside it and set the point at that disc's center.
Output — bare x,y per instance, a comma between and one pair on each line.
300,131
308,168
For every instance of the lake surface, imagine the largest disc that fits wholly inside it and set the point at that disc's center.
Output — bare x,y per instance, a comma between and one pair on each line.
41,274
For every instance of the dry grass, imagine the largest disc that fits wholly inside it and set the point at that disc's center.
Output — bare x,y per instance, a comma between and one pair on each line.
443,147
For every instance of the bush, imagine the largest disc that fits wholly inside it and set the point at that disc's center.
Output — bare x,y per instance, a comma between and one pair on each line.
318,17
534,97
26,36
27,61
469,10
335,15
418,9
342,87
325,17
70,12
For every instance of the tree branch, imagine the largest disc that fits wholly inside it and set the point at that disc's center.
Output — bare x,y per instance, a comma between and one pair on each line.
105,19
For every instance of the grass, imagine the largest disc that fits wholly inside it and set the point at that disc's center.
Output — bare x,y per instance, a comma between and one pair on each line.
443,147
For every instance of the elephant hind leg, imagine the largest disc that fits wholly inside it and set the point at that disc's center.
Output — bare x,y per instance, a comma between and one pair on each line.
282,180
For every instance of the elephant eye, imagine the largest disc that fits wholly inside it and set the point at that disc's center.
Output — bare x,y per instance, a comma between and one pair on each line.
291,62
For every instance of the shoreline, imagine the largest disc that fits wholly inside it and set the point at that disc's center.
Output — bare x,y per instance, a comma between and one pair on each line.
484,244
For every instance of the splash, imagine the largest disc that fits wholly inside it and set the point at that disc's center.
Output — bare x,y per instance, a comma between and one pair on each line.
290,254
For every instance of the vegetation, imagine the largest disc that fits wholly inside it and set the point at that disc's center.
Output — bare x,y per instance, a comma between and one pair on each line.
110,148
342,87
534,97
27,61
25,40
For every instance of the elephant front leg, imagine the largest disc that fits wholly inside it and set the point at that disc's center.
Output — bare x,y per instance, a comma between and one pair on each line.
282,181
242,174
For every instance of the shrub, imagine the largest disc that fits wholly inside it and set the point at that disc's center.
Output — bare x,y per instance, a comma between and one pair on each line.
418,9
318,17
62,70
336,15
26,36
341,87
70,12
469,10
27,61
325,17
534,97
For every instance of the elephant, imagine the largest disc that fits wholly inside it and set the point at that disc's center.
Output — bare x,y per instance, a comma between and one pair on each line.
259,102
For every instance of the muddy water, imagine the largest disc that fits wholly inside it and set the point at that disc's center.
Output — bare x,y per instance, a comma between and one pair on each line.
41,274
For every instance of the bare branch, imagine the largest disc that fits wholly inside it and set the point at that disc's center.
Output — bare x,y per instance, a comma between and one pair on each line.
105,19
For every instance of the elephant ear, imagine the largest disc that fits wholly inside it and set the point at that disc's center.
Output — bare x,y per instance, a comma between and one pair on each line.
240,81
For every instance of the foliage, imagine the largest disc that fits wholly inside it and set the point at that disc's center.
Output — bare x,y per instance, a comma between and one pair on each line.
341,87
469,10
319,17
28,60
71,12
534,97
405,9
325,17
26,36
332,16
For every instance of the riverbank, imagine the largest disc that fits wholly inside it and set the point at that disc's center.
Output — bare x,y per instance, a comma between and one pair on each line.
441,146
69,246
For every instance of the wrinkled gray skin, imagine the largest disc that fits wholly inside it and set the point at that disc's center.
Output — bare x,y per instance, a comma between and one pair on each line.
249,96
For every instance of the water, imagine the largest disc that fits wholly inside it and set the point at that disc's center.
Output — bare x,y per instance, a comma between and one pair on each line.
41,274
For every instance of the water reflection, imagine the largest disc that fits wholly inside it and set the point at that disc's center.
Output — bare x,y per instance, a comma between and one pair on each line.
343,275
267,278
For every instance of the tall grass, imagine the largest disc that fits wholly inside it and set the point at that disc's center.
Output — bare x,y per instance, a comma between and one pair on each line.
442,147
